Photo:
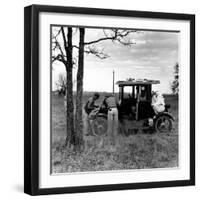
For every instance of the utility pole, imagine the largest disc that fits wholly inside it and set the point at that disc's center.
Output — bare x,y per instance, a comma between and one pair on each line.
113,82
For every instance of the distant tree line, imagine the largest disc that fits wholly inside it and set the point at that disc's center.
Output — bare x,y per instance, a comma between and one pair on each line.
175,82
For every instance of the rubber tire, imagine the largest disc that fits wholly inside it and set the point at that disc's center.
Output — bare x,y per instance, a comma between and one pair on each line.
100,126
166,118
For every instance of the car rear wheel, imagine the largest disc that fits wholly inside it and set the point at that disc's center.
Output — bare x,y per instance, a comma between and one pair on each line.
163,124
100,126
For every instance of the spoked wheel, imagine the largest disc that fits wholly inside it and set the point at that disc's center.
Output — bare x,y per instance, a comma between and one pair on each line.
163,124
100,126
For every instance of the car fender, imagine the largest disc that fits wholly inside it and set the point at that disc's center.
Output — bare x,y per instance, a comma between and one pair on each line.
102,115
163,114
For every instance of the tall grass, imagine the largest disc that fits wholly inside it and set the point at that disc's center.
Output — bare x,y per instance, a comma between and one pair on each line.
138,151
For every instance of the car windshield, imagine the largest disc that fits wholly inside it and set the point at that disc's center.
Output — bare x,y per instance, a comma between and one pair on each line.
128,92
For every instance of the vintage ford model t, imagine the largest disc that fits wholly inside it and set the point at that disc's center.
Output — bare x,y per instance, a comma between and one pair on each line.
135,109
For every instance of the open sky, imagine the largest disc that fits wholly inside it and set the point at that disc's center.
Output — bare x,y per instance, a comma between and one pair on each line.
152,56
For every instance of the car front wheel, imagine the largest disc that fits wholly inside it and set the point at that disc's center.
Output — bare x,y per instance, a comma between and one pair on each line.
163,124
100,126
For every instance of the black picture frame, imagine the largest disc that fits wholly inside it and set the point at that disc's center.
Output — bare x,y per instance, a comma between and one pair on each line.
31,98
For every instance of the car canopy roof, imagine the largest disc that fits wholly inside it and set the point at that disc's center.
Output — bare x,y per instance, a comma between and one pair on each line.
137,82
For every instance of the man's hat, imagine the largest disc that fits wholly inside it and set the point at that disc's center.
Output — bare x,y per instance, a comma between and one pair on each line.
96,94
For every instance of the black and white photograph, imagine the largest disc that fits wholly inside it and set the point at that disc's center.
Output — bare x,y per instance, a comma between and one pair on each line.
98,100
109,100
114,99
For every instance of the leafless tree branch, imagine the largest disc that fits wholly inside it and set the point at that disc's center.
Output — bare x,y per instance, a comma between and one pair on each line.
57,34
58,57
115,35
96,52
64,38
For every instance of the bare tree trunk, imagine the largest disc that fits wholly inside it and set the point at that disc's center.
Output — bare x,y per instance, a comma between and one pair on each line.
79,104
70,139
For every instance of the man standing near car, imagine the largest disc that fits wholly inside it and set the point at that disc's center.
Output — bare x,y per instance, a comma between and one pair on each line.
111,105
157,102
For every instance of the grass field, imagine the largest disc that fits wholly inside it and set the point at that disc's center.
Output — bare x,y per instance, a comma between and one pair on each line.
138,151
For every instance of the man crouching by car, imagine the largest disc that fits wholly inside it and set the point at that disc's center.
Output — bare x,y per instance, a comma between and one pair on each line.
91,109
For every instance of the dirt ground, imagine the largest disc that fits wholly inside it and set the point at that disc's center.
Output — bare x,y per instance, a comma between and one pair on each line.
137,151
